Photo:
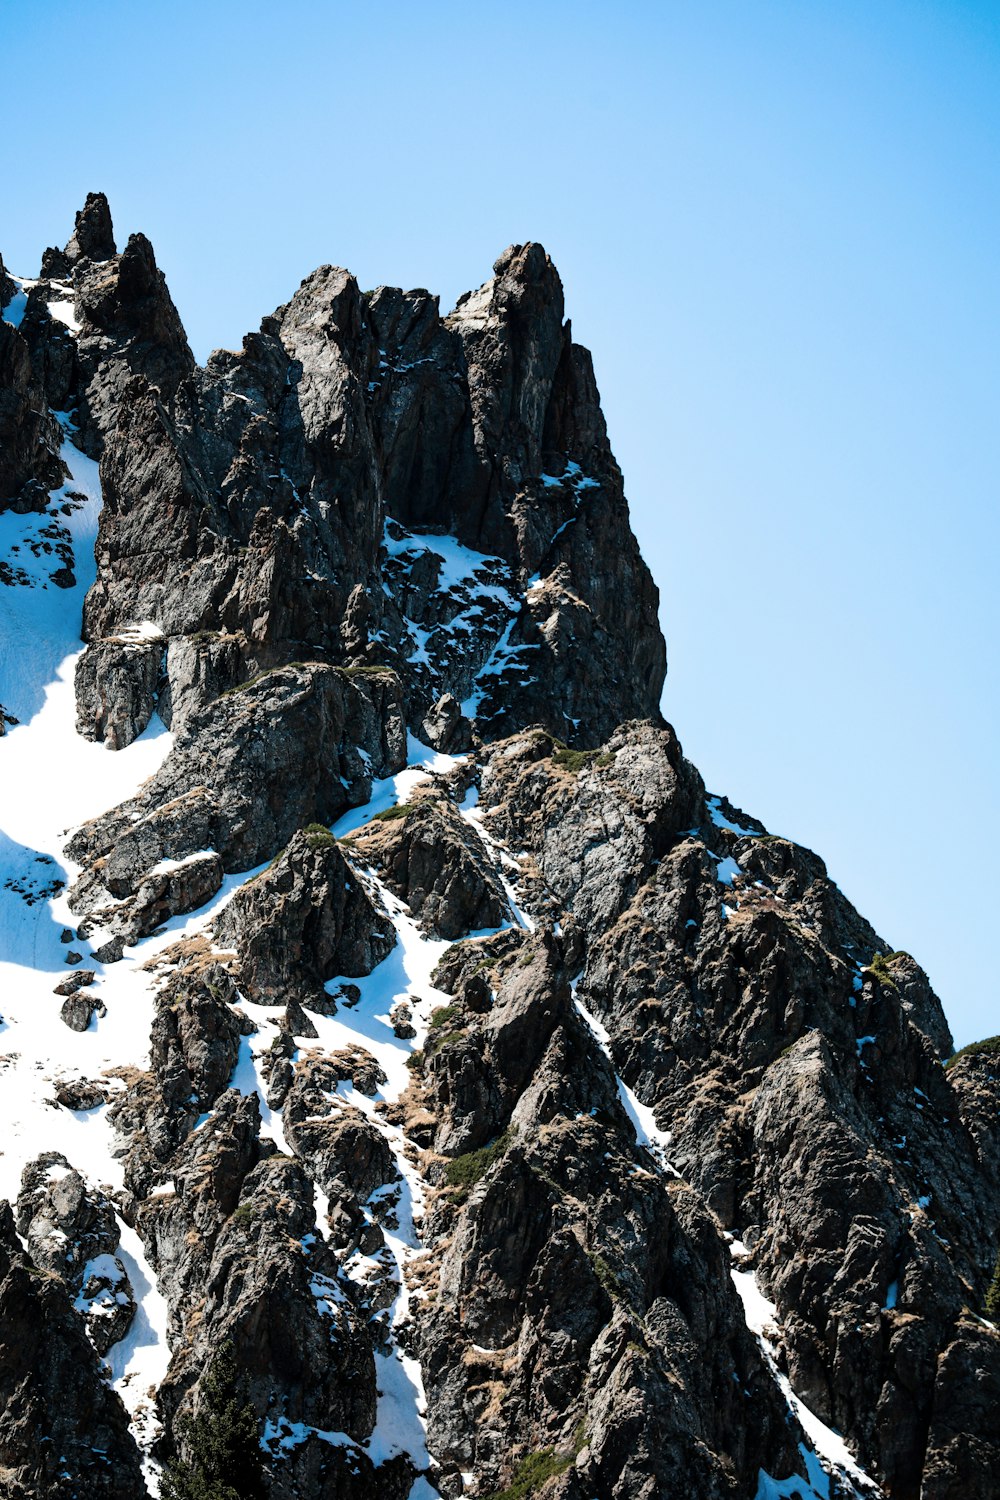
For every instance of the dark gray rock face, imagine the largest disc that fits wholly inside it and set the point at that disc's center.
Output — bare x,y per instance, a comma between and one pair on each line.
92,239
315,1468
7,286
597,824
29,435
446,727
303,1346
129,328
249,497
194,1047
116,684
199,669
801,1080
438,865
93,235
167,890
346,1155
857,1238
71,1231
591,619
295,747
195,1037
64,1225
572,1266
303,921
125,326
520,468
660,1045
62,1430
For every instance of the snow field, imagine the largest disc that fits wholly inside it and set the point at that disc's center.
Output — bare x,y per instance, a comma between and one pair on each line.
51,780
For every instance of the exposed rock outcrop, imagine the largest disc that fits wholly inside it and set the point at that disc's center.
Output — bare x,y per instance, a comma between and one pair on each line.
297,746
29,435
71,1231
116,682
62,1430
524,1120
437,864
305,920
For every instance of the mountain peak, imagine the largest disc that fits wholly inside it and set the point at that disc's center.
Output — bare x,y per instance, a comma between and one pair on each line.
93,234
475,1105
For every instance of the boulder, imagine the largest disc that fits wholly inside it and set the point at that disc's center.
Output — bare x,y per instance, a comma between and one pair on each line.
116,682
306,919
71,1229
433,859
61,1423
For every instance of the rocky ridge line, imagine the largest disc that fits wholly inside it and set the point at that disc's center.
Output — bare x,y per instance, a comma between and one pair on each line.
539,1122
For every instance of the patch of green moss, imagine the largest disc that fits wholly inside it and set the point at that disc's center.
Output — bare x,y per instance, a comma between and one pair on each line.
531,1473
989,1044
550,1182
443,1040
244,1215
605,1275
463,1172
575,760
880,971
318,836
241,687
440,1032
402,810
991,1306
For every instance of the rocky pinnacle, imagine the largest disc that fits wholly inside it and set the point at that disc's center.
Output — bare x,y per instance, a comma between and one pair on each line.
387,1003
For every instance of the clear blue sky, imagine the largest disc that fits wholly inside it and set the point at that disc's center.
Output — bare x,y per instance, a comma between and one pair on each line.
778,227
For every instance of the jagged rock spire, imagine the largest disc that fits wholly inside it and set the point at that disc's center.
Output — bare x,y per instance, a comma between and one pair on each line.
600,1016
93,235
92,239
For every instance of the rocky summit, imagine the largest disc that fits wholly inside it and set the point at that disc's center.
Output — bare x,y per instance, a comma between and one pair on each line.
404,1058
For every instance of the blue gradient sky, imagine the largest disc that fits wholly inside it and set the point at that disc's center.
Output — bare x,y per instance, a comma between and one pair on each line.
777,224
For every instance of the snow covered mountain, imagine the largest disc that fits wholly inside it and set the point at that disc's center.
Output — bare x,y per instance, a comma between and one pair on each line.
387,1008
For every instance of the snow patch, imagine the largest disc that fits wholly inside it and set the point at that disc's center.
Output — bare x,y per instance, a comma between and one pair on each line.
721,821
138,1362
647,1133
14,311
830,1452
63,311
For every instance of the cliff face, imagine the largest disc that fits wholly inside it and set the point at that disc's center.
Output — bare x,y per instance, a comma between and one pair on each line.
525,1119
